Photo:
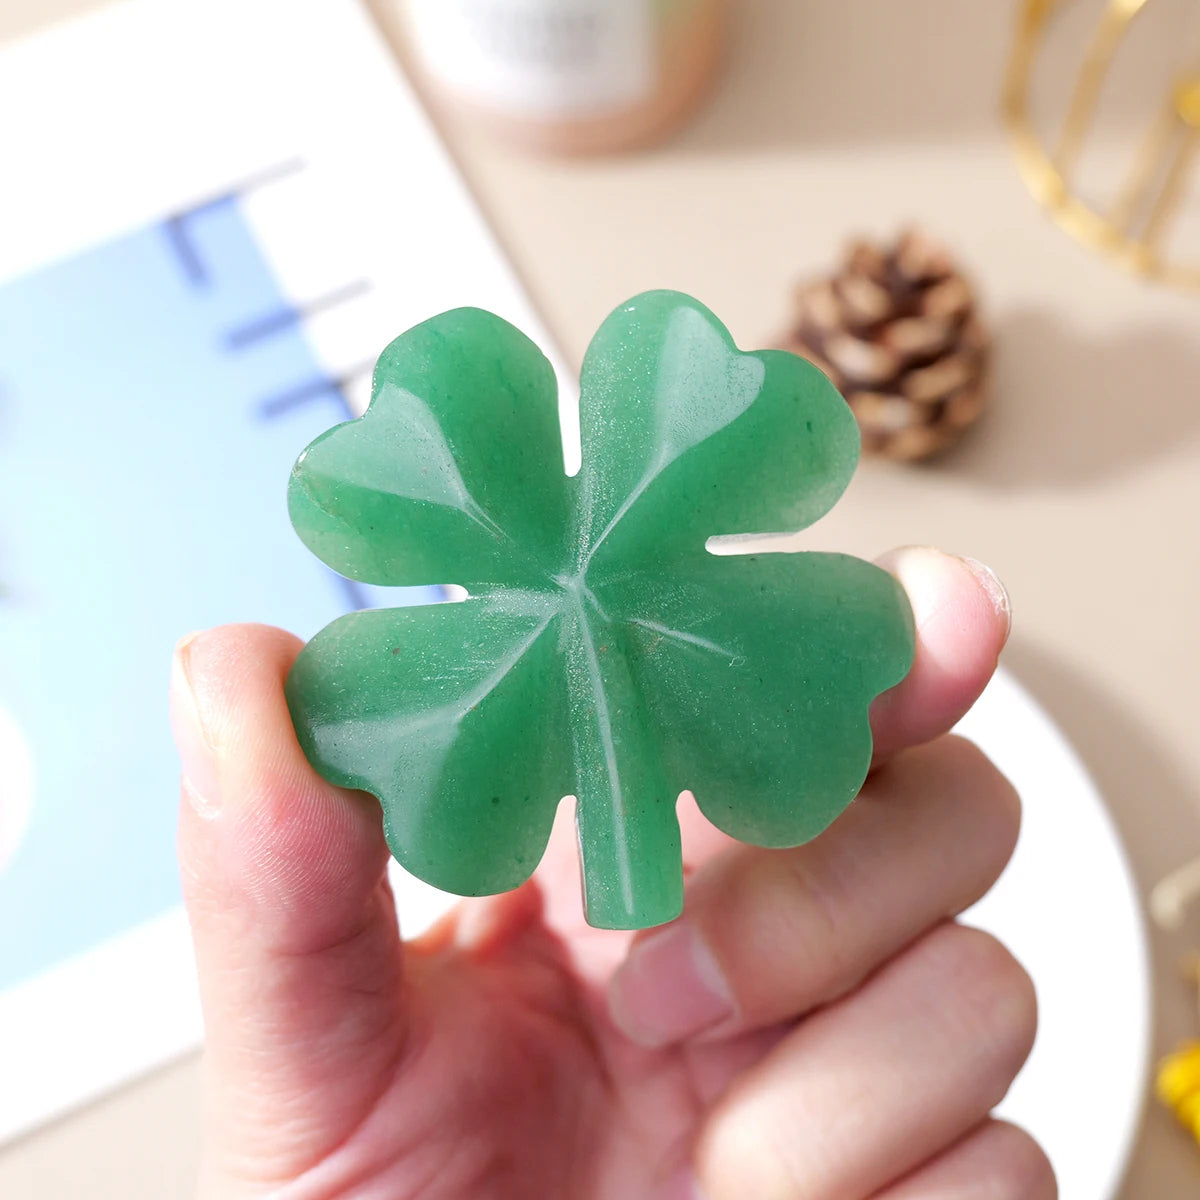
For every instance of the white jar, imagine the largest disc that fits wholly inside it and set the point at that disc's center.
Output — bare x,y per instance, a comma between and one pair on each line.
570,75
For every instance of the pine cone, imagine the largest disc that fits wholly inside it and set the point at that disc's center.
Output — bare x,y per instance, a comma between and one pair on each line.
897,332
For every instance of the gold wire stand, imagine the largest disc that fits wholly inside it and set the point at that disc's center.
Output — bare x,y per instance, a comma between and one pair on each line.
1134,227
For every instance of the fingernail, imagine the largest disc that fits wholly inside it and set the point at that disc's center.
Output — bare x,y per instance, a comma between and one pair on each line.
196,751
996,591
682,1186
669,987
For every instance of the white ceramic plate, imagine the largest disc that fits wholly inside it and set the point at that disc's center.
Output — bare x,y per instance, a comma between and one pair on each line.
1068,908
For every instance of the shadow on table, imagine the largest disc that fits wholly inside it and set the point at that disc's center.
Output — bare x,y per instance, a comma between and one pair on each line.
1068,409
803,73
1156,812
818,74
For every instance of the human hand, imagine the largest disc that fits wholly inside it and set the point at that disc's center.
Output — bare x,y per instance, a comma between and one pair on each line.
815,1026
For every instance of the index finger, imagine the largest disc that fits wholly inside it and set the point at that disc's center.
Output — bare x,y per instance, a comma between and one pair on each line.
962,616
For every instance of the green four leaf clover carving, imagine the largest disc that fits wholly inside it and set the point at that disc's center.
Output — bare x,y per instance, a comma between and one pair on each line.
603,652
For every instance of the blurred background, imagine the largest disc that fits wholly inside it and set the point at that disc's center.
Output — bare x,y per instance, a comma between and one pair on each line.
982,219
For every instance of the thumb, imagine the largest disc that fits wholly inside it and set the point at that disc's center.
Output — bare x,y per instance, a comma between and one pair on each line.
296,940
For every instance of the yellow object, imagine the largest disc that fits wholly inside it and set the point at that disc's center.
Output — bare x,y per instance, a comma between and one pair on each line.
1133,226
1178,1085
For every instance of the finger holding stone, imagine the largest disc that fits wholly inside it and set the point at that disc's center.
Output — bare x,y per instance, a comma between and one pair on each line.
769,935
870,1088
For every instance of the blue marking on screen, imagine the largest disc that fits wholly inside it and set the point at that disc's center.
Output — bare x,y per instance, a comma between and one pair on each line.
142,495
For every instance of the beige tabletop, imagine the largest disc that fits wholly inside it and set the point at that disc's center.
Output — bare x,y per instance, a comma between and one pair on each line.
1081,488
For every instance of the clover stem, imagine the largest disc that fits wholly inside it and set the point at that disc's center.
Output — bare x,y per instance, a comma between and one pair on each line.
625,808
632,868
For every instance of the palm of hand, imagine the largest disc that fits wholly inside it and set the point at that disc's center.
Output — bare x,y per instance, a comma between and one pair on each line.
503,1076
